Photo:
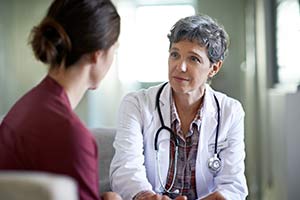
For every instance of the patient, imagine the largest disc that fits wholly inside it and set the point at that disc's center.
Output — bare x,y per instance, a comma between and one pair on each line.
76,40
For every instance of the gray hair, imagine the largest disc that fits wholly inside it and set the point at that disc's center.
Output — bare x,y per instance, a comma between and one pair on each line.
205,31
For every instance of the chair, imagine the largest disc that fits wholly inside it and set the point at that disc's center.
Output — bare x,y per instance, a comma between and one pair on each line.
18,185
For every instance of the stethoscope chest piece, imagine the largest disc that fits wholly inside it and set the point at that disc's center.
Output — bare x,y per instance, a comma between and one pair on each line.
214,163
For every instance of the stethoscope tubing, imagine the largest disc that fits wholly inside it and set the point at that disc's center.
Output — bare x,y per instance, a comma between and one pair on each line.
212,160
163,126
217,131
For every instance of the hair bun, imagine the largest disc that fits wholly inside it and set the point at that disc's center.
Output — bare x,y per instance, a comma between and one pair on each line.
50,42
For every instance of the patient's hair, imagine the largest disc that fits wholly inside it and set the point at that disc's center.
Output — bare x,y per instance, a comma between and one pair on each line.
73,28
205,31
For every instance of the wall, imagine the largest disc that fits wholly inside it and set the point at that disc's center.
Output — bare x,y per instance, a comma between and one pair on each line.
282,135
231,15
19,70
238,77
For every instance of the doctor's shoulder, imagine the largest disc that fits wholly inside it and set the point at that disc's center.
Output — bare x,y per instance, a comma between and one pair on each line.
229,106
143,99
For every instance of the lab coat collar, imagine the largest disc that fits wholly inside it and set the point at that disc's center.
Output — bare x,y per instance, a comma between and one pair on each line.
209,106
165,109
164,102
209,115
209,111
209,120
165,95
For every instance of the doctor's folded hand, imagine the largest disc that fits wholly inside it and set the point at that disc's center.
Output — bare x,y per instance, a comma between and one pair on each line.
214,196
152,196
110,196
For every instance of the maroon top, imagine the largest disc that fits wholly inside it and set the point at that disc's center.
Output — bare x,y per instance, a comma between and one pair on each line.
42,133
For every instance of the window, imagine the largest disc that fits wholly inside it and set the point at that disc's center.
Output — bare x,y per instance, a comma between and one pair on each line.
288,42
143,54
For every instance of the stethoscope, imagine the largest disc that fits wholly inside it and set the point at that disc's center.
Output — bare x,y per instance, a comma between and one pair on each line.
214,163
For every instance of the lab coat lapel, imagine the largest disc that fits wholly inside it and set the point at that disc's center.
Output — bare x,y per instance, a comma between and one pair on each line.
209,117
164,136
208,130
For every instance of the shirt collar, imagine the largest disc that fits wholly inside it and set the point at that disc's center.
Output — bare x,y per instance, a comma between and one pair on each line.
175,117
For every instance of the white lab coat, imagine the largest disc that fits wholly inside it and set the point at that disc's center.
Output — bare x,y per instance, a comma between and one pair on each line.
134,166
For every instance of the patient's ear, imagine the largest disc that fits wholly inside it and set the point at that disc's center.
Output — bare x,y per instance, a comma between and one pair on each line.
96,56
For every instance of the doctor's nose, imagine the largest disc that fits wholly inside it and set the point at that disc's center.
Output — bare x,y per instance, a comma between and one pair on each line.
182,66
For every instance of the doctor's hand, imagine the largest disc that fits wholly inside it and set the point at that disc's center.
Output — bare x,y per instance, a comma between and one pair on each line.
181,198
165,197
152,196
214,196
110,196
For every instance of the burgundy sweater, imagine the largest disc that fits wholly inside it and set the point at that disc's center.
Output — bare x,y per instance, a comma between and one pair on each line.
42,133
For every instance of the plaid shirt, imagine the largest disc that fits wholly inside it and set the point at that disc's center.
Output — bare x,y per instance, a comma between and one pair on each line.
185,180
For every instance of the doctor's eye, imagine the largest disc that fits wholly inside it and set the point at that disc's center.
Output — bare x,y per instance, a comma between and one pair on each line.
174,55
195,59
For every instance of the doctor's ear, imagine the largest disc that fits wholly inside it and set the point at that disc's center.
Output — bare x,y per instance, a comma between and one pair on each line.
215,68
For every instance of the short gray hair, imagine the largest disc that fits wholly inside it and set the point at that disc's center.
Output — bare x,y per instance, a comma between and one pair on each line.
204,30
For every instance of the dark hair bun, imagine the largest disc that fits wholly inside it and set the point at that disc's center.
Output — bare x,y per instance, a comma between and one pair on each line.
72,28
50,42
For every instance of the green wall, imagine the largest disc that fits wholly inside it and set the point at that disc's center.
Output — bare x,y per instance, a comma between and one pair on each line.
18,69
231,14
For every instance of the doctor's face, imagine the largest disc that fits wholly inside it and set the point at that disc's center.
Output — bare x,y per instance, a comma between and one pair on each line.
189,67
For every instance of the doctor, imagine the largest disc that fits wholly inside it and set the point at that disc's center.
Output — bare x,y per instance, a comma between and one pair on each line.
183,139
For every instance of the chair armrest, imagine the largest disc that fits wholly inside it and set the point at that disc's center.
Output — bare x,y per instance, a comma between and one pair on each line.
105,138
20,185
